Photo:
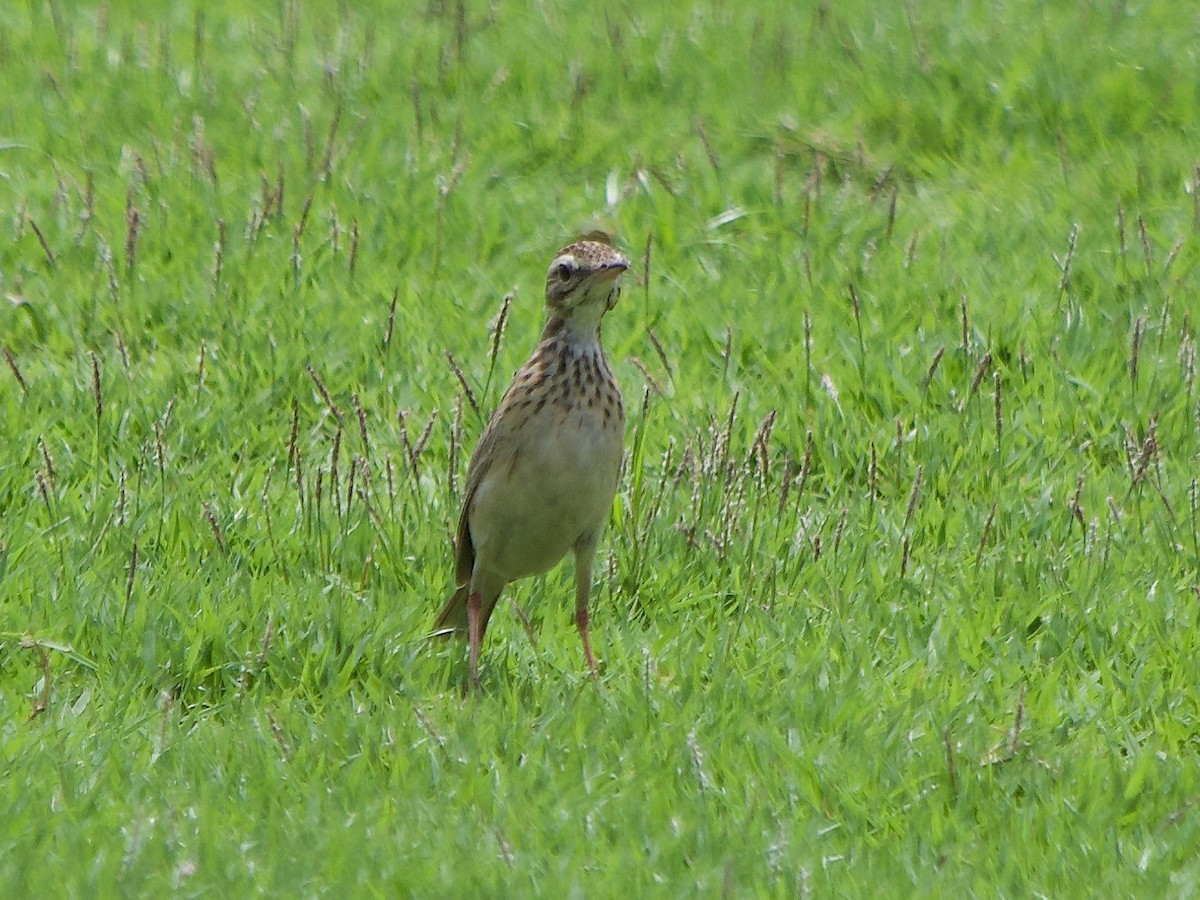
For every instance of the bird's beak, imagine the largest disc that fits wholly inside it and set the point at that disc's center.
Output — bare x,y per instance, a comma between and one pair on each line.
610,271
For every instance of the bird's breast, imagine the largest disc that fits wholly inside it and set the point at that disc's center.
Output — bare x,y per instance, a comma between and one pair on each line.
553,479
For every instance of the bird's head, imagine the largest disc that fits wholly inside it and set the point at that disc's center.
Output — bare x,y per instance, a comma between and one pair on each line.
582,280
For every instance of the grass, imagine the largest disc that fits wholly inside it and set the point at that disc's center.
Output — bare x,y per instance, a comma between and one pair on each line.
900,593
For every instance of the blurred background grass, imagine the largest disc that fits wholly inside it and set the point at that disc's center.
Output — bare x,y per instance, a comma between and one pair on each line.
899,593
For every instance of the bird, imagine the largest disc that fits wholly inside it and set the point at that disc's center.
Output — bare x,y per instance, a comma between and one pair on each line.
541,480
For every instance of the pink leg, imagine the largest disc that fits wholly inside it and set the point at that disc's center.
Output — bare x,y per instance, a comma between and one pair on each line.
581,622
474,602
584,552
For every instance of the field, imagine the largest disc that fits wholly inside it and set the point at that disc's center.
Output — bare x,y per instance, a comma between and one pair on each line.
901,591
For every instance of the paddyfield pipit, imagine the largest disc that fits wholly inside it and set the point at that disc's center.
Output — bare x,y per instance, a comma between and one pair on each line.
542,478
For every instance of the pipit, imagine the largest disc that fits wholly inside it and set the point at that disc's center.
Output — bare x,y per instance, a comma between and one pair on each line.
542,478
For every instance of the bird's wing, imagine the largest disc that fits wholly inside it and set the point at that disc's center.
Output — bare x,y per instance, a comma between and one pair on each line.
481,463
526,387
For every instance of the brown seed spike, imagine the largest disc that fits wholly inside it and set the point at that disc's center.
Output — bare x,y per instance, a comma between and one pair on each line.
12,364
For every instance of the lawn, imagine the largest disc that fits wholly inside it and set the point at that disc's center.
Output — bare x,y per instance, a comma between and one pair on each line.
901,590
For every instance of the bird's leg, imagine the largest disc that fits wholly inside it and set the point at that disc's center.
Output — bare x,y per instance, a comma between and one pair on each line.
581,622
474,637
583,589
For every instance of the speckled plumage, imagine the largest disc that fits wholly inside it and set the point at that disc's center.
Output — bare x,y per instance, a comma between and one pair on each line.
542,478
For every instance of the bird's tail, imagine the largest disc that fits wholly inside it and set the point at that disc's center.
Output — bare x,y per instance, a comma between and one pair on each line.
452,620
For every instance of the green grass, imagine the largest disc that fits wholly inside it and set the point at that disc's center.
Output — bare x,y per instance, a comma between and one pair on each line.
901,592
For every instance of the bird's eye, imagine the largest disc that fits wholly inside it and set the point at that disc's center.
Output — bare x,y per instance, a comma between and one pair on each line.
563,271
